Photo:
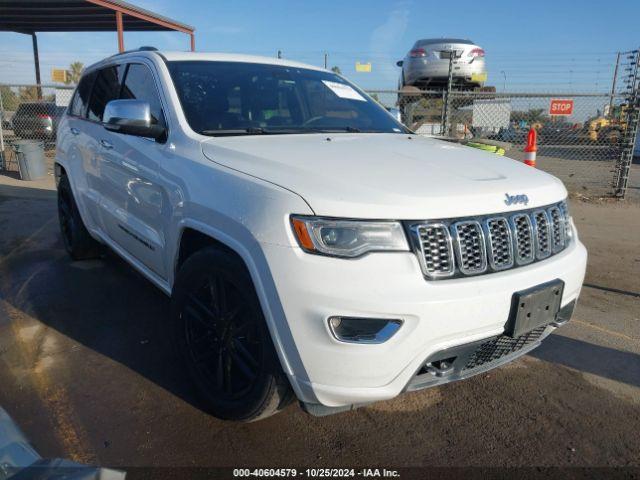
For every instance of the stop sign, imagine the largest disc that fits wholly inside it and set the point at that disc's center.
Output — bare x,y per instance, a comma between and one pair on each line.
561,107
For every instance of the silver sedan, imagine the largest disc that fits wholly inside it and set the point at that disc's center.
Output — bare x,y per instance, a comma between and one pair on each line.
426,65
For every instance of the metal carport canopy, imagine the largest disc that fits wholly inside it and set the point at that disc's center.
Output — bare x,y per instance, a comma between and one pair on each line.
31,16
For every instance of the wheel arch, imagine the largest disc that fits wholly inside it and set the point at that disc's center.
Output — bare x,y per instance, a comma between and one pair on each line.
194,235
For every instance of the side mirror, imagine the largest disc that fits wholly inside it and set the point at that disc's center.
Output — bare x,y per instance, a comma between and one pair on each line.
399,63
131,117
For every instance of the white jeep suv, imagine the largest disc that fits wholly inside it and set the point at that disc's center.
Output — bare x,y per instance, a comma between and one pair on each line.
311,244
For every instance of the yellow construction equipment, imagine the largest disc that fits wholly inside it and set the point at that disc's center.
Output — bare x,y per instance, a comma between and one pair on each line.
608,128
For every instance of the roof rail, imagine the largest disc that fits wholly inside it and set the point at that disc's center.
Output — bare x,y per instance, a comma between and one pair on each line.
145,48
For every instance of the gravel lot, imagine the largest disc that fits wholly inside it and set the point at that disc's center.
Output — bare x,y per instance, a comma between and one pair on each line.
86,370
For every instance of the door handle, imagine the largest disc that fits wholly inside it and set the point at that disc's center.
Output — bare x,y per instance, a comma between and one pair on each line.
129,166
75,131
106,144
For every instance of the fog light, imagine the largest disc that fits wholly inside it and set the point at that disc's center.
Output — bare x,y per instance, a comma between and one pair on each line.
363,330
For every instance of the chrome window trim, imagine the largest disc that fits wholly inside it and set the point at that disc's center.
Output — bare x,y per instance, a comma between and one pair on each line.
458,251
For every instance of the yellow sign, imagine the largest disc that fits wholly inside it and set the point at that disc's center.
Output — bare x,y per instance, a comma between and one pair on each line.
363,67
479,77
59,75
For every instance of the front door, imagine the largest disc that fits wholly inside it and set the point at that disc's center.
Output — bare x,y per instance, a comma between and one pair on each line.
135,207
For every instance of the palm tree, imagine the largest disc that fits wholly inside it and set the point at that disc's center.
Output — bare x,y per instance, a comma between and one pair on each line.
74,73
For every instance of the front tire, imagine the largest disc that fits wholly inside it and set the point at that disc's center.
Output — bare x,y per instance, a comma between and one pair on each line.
222,337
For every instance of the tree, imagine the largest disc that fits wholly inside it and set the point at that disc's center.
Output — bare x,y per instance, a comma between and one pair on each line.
74,73
9,98
28,94
336,69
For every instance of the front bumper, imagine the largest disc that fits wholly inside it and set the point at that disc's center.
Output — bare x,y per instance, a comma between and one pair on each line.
436,315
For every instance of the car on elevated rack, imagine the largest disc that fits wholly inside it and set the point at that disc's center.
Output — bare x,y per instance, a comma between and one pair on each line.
426,64
312,246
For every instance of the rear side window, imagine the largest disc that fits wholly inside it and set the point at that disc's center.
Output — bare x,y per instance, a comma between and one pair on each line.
81,97
105,88
139,85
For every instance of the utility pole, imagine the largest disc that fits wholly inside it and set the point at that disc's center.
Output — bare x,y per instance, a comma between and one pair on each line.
326,59
613,83
36,59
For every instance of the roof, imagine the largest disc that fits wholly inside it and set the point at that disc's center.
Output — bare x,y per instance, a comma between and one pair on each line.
28,16
202,57
234,57
427,41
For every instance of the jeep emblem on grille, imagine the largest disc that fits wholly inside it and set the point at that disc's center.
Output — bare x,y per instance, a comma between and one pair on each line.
515,199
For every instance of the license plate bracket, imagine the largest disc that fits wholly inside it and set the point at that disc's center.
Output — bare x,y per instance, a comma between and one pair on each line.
534,307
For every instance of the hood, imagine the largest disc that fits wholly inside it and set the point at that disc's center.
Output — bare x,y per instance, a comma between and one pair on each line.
386,176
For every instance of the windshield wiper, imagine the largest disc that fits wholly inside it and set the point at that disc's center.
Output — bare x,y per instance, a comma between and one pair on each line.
236,131
284,131
258,131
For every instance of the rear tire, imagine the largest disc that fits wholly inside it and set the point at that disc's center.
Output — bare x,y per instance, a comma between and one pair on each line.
77,241
222,337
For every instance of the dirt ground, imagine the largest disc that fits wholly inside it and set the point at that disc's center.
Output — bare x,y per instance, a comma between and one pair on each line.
87,371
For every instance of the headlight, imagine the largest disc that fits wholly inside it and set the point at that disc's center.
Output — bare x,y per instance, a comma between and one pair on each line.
348,238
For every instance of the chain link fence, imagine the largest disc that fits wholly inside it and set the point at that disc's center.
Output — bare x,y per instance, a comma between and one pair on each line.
29,113
581,138
587,146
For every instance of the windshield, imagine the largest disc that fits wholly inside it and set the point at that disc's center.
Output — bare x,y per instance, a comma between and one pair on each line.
233,98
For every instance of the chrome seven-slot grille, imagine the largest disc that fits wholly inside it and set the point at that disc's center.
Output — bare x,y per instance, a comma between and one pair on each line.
472,246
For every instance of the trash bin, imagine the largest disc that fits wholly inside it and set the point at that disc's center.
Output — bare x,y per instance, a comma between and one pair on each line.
30,156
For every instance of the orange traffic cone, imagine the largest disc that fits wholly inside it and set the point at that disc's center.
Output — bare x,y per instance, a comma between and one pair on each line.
530,149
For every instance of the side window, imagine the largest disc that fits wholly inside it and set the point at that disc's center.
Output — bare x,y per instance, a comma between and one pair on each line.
105,88
139,85
81,97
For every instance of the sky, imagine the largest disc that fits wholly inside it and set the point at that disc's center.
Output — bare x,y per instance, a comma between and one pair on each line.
546,45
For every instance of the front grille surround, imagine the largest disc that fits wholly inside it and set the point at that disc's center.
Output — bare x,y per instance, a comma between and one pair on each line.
499,243
523,238
489,243
558,227
471,249
434,242
542,233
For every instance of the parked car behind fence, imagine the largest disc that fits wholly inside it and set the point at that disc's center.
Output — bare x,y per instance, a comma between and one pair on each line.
37,120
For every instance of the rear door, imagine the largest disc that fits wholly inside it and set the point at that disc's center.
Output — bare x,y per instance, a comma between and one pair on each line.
94,137
135,205
77,146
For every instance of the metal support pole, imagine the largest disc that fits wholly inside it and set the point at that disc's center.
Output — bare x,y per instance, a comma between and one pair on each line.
632,122
2,167
120,31
36,61
326,59
445,116
613,83
193,42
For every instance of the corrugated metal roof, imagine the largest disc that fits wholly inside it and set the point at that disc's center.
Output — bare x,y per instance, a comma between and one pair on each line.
27,16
